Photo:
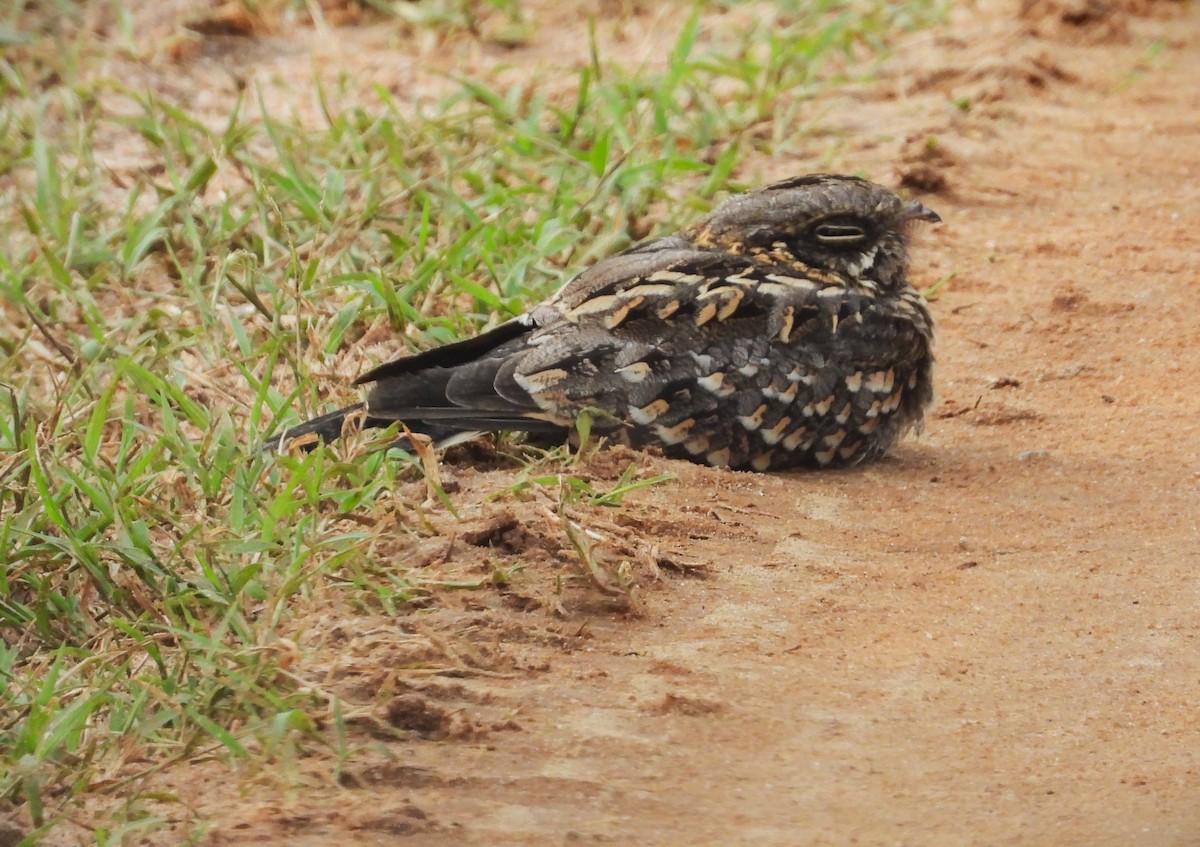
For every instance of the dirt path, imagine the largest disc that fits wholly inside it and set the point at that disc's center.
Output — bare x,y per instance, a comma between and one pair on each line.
990,638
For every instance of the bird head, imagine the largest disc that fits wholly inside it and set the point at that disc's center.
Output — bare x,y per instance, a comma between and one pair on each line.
839,224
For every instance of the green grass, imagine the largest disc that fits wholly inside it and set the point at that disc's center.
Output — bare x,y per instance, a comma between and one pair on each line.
156,326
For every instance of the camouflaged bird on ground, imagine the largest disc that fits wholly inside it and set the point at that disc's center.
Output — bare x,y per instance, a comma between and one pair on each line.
780,330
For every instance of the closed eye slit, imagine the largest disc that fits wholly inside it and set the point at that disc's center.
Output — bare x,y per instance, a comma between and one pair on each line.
839,233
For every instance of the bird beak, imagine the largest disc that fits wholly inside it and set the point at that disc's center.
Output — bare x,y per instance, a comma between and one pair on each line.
915,211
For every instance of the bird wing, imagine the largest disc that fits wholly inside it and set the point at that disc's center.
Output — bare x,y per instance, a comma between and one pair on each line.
449,355
730,359
624,268
670,342
474,384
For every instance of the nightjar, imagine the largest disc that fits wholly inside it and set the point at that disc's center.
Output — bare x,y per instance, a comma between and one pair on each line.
780,330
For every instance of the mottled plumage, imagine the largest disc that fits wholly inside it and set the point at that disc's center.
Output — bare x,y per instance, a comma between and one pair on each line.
780,330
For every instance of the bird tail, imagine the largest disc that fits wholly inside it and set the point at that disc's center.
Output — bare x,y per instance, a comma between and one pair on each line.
449,393
333,425
307,435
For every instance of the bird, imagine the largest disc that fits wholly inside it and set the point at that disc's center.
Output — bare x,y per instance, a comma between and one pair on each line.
779,331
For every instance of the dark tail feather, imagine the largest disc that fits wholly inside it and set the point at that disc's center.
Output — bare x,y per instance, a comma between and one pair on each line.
330,426
325,428
450,393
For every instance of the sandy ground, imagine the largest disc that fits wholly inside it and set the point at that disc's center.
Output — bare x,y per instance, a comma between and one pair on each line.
989,638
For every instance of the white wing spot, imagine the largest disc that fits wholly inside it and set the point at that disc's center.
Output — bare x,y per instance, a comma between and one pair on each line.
797,375
793,282
647,290
637,372
615,318
649,413
674,434
674,276
773,289
772,435
715,383
793,440
762,461
753,421
718,458
604,303
834,439
731,305
541,380
789,319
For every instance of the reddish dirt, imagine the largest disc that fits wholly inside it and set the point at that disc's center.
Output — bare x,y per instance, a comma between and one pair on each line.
989,638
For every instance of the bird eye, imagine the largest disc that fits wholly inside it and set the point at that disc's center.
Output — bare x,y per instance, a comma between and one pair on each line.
839,233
